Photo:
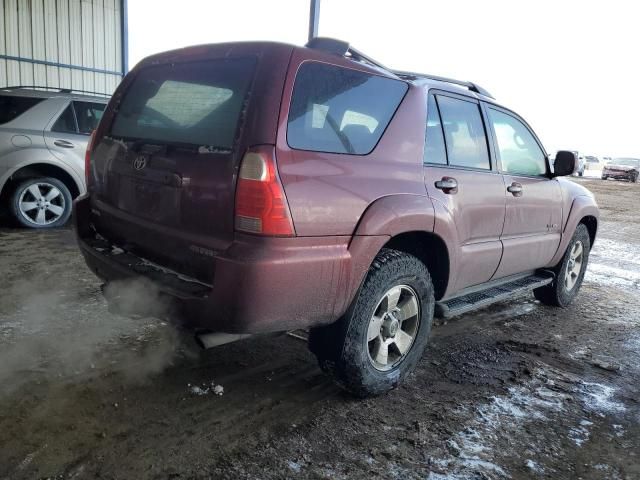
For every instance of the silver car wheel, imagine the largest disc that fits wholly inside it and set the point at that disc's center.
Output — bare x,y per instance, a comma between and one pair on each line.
574,266
393,327
41,203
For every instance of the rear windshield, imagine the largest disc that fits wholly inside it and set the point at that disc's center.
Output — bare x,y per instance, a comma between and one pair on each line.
11,107
198,103
339,110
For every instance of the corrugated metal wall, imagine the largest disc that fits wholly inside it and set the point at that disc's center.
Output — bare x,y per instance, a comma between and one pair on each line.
74,44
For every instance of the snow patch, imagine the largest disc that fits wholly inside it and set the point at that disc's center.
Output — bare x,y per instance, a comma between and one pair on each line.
206,389
599,398
478,446
581,433
534,467
614,263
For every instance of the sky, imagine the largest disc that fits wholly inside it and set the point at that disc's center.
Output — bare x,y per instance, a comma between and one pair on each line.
570,68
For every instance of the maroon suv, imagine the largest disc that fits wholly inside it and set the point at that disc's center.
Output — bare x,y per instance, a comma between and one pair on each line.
265,187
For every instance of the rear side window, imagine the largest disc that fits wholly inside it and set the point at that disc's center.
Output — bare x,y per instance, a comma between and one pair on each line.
88,115
197,103
464,133
66,123
12,107
339,110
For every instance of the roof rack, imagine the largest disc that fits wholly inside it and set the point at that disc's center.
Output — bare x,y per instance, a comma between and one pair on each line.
56,89
343,49
474,87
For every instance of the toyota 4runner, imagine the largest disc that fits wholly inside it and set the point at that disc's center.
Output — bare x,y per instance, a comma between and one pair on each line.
265,187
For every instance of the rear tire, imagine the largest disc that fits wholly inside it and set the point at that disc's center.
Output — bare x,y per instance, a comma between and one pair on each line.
41,202
380,339
569,272
634,179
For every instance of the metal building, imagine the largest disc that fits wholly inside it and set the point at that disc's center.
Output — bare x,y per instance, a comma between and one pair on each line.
74,44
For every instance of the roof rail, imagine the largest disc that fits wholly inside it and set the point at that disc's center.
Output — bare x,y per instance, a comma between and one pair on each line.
343,49
56,89
474,87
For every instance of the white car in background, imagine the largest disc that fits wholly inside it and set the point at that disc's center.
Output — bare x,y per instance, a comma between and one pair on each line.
591,162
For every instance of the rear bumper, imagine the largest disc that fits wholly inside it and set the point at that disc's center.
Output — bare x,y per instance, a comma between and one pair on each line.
260,284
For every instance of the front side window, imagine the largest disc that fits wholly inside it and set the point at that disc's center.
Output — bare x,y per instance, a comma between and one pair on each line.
518,150
88,115
464,133
12,107
434,150
339,110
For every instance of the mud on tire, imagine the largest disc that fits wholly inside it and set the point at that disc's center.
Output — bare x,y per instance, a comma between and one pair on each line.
344,350
556,293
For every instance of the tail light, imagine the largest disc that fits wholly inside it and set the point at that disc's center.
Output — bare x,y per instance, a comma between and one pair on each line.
87,158
261,205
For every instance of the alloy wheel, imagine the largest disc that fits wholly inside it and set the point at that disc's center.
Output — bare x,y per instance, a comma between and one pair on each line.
393,327
41,203
574,266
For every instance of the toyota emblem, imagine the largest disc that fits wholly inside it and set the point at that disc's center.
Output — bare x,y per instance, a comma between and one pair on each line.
140,162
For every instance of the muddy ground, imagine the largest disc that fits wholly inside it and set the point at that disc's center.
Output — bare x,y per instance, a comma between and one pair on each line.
518,390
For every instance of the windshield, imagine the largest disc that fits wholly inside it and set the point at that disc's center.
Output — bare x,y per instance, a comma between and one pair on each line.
197,103
632,162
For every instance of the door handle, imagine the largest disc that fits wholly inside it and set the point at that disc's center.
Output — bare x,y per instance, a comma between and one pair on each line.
447,185
515,188
63,143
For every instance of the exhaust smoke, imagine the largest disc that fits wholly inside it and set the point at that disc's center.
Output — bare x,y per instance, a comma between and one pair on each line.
50,328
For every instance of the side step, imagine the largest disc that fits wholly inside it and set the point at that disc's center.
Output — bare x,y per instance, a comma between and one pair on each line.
492,294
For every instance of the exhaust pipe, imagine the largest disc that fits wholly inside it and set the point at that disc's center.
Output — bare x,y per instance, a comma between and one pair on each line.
210,340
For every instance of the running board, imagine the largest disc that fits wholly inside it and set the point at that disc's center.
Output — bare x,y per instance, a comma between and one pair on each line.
492,294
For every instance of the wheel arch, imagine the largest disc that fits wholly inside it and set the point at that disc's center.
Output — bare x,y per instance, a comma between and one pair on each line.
591,222
431,250
584,210
43,169
403,222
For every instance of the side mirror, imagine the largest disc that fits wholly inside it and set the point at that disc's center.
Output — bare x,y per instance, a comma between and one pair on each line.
565,163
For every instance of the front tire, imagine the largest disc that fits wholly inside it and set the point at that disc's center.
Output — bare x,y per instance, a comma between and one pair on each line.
569,272
42,202
379,341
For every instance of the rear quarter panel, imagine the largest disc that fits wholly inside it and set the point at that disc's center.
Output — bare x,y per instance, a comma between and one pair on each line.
329,193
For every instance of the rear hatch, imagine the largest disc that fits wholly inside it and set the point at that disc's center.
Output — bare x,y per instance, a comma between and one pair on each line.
165,158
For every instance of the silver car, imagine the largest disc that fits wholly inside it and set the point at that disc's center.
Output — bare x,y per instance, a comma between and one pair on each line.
43,139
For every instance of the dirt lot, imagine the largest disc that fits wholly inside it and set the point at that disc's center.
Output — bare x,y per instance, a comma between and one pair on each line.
518,390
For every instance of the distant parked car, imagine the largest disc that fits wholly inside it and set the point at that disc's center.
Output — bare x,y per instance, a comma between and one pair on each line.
43,140
592,162
622,169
